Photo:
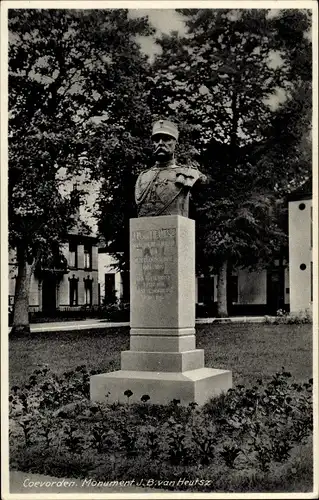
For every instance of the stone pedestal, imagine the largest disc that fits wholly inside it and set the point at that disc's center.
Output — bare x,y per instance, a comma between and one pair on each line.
163,361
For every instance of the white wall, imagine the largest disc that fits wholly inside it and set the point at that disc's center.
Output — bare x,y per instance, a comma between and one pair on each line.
300,252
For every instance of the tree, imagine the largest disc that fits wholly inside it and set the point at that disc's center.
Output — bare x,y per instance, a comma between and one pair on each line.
124,153
66,71
120,146
221,78
285,156
237,224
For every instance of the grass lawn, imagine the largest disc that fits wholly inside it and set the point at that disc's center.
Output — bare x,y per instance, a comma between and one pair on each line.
251,351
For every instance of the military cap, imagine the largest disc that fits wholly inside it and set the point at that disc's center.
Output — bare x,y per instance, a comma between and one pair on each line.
165,127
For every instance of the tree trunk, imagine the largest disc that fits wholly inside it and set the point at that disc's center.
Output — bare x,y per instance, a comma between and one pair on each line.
20,324
222,311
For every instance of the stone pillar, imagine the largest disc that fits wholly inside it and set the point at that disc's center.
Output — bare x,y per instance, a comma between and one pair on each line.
162,295
163,361
300,255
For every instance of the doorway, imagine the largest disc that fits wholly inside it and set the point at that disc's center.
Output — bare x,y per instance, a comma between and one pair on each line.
275,290
49,294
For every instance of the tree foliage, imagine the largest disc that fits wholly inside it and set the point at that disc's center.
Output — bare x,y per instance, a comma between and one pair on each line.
67,71
286,154
223,78
217,76
66,67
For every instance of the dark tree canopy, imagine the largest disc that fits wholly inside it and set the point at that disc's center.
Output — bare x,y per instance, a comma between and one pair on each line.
68,71
222,78
65,68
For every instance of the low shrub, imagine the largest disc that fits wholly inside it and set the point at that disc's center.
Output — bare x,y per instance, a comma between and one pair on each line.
119,311
55,429
111,311
284,318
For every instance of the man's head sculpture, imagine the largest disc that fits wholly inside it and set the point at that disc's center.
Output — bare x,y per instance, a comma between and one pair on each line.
164,189
165,127
164,137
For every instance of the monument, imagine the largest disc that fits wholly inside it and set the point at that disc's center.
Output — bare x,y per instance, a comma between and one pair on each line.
163,361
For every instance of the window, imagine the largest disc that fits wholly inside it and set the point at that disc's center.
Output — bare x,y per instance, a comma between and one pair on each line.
87,256
11,303
73,291
205,293
73,255
88,291
233,289
109,288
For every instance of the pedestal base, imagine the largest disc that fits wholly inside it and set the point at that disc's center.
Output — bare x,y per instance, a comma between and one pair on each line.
196,386
162,361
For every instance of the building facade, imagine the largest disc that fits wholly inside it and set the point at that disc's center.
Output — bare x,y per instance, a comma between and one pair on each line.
67,283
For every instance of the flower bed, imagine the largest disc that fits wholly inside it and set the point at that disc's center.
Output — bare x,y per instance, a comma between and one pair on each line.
240,441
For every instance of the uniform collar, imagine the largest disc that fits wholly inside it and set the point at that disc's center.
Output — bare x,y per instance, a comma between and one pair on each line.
164,164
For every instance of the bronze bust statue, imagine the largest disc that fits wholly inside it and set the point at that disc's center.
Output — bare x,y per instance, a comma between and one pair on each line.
164,189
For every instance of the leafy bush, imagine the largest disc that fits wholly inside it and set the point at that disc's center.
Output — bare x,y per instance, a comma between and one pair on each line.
284,318
119,311
247,429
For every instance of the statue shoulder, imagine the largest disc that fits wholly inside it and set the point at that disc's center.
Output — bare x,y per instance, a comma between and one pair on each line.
148,172
187,169
189,174
144,184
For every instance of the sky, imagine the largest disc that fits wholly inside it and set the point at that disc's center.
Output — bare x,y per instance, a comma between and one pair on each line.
164,20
